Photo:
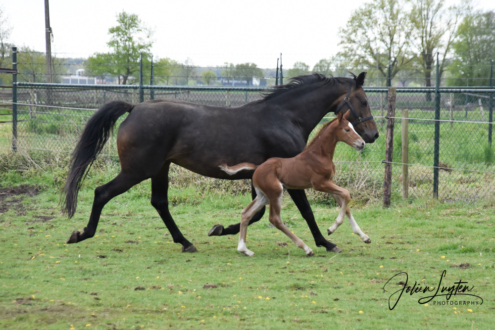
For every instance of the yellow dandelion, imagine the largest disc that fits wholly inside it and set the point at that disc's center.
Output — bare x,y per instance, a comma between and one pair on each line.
88,325
137,277
158,277
57,262
426,305
33,296
202,320
417,250
260,297
381,266
183,306
377,273
267,298
470,310
228,263
288,262
443,257
180,292
313,302
47,235
75,262
360,312
214,316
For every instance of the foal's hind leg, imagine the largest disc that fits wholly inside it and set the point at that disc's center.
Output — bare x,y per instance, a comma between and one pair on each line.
103,195
275,207
159,200
257,204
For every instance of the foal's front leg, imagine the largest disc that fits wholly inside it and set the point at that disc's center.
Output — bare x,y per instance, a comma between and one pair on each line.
342,197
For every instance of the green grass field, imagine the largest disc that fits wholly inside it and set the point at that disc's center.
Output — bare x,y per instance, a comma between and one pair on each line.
132,276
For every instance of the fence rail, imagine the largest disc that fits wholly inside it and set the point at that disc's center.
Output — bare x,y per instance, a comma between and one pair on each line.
449,150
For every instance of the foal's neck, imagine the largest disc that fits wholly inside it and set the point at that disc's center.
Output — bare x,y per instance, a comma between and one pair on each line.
325,142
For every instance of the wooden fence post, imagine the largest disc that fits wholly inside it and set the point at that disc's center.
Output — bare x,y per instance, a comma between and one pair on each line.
405,154
387,182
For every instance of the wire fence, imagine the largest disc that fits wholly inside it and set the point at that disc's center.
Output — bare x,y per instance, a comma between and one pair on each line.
50,117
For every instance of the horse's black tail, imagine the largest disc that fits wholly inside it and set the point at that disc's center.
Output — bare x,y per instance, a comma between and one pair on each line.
93,138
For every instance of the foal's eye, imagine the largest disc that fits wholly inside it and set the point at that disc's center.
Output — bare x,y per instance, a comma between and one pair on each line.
347,130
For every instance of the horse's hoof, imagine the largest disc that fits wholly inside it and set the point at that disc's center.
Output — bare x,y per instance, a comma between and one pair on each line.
217,230
73,237
367,241
336,250
191,249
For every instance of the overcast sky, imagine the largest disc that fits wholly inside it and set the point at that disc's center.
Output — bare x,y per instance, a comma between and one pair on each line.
208,32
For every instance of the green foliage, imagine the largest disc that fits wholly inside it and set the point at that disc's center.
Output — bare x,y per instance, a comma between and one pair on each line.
208,77
228,71
247,71
300,68
473,50
324,67
128,39
378,30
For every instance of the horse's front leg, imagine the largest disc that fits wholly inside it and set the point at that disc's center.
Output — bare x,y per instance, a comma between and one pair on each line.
299,198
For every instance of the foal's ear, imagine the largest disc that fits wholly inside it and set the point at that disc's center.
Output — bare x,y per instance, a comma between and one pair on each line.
340,116
360,79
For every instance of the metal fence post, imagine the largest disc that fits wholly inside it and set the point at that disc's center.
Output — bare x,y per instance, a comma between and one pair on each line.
276,75
152,91
281,71
389,151
490,108
436,152
405,154
141,91
14,99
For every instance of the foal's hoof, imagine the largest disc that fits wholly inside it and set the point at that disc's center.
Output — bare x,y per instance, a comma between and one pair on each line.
336,250
217,230
191,248
367,241
310,254
73,237
329,232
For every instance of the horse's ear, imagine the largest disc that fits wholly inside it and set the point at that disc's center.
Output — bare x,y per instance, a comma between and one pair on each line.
360,79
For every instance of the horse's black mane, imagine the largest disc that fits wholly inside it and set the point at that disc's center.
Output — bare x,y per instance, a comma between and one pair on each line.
299,81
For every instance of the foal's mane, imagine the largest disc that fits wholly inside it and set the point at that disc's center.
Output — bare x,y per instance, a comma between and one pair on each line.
298,82
315,138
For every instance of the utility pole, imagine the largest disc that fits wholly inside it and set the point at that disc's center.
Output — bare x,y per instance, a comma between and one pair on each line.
48,35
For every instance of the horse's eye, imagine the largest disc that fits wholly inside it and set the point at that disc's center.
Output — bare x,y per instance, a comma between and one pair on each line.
364,103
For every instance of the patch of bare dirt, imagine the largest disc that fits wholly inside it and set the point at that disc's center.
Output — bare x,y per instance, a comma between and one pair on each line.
11,198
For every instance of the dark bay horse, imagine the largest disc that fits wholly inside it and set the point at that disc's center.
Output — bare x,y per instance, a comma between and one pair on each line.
200,138
312,168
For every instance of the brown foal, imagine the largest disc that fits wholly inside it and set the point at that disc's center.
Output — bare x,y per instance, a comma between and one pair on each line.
311,168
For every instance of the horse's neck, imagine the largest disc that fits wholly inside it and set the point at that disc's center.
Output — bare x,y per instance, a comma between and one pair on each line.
308,110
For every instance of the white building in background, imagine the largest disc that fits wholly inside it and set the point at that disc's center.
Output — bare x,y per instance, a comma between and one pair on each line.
79,79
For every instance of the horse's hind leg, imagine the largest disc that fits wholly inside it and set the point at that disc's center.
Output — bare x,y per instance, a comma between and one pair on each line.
219,230
159,200
103,195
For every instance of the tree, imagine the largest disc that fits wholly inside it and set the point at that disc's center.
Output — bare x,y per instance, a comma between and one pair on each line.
164,69
32,64
324,67
434,30
299,69
378,34
473,50
5,30
208,77
228,71
128,39
247,71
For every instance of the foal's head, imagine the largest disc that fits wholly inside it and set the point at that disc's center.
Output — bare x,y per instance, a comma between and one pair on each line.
345,132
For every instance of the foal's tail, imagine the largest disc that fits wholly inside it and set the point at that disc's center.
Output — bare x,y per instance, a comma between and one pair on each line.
93,138
231,170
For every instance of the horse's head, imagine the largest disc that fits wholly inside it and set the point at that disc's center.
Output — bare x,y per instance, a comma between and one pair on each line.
359,113
345,132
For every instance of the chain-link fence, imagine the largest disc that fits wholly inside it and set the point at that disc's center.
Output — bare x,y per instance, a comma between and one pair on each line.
51,117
